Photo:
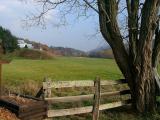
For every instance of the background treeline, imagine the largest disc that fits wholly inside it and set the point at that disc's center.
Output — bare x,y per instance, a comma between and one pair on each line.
9,43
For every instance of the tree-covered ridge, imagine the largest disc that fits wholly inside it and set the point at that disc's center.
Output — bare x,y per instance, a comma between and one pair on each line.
8,41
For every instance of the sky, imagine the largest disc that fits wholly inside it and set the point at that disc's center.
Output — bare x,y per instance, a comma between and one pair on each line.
77,33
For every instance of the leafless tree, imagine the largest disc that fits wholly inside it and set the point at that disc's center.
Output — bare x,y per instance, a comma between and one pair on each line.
140,27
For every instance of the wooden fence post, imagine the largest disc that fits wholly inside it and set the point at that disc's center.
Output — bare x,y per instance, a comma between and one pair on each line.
47,87
95,113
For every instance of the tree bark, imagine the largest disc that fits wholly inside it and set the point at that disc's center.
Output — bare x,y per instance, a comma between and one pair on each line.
136,65
145,82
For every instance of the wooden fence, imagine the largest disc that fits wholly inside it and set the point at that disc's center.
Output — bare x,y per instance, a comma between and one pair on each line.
95,108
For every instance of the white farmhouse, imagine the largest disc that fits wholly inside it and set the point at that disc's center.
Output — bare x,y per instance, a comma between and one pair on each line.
22,44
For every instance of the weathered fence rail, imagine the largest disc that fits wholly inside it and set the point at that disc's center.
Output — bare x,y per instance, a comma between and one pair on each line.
84,97
79,83
88,109
95,108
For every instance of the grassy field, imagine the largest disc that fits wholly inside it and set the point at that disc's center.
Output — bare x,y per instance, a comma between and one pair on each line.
25,76
60,68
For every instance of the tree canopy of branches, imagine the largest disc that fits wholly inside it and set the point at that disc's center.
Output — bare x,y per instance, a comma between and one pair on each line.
140,28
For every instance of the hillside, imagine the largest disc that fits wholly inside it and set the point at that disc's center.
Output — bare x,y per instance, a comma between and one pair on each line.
62,51
10,43
32,54
102,52
56,51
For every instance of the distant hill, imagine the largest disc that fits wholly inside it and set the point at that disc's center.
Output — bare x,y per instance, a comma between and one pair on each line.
11,43
62,51
56,51
103,47
102,52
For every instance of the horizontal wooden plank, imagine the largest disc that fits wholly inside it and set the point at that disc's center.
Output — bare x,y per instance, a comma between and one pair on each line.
31,107
72,111
113,82
32,112
114,104
4,62
83,97
123,92
88,109
69,99
9,104
35,116
80,83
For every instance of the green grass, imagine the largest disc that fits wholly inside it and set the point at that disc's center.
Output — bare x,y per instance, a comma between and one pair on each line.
32,72
60,68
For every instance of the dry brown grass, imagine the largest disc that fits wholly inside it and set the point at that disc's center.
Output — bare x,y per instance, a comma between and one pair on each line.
7,115
33,54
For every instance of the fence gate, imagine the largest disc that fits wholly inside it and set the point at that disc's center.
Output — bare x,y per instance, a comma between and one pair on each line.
95,108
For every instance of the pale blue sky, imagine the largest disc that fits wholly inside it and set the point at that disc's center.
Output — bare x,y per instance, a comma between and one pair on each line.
77,34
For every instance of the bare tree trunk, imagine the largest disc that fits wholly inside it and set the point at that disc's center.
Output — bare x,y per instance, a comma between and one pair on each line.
145,98
145,87
145,80
136,65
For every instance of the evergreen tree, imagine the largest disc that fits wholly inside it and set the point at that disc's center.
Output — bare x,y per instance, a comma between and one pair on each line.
9,41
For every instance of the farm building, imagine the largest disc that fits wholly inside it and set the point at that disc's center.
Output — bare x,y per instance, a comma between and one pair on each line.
23,44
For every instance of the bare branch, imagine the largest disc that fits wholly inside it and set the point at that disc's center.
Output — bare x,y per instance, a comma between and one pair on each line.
122,10
105,12
91,6
111,33
64,7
